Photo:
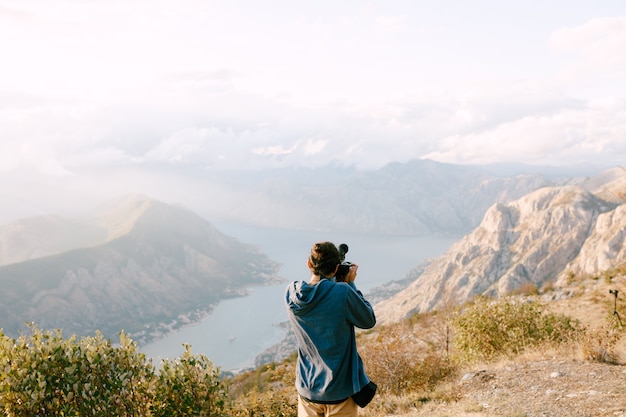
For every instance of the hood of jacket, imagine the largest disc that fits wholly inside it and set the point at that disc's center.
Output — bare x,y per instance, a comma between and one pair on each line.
301,296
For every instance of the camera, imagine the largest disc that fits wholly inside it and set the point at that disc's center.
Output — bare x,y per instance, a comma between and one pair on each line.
344,267
614,292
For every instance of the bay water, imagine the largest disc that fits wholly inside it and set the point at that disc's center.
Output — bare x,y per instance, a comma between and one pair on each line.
238,329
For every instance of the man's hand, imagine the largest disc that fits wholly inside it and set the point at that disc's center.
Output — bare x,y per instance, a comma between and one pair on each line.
351,275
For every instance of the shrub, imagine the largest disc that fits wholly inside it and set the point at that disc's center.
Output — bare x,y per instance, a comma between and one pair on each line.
598,344
548,286
488,328
189,386
267,392
528,288
44,375
403,358
266,404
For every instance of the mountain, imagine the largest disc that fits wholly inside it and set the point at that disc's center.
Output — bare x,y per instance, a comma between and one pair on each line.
538,239
36,237
139,265
420,197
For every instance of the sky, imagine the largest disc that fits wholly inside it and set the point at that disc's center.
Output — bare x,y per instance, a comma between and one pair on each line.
93,88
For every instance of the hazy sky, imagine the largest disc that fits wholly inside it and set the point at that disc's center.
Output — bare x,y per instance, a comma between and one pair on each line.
97,85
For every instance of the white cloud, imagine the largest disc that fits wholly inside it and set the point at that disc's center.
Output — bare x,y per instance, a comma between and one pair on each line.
276,150
103,85
99,98
30,157
568,137
392,23
595,49
315,146
601,42
208,146
179,146
104,157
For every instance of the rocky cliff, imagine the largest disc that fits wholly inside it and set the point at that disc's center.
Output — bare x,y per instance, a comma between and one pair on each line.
539,238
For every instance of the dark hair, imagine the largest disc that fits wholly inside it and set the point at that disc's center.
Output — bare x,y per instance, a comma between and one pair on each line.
324,259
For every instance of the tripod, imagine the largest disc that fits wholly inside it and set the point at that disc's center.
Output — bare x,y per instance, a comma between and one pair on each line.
615,313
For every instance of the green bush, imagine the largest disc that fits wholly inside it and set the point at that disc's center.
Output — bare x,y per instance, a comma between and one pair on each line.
489,328
190,386
43,374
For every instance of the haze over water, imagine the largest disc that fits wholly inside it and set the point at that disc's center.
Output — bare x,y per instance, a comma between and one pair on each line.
241,328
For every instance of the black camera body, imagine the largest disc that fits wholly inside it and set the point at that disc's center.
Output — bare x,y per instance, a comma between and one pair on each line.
614,292
344,267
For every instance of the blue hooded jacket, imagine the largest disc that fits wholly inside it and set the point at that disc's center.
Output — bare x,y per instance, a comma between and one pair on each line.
323,317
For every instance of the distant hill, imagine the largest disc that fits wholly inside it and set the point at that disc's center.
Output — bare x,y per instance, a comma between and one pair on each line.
36,237
420,197
539,239
138,265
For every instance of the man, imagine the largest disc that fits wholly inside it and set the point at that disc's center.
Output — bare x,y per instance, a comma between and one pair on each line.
323,314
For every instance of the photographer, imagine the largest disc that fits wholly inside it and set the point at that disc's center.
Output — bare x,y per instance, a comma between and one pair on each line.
330,378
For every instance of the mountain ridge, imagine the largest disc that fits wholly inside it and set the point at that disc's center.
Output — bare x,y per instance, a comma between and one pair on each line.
169,263
537,240
419,197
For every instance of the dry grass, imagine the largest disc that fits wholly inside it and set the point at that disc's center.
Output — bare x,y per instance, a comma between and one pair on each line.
542,382
583,378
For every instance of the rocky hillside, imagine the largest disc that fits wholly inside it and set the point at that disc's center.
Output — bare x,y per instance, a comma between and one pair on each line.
538,239
149,267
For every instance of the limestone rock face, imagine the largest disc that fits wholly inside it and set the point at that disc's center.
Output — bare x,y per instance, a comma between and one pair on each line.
536,239
605,248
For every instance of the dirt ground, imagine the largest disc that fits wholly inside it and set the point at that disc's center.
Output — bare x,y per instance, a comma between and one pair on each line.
536,388
545,383
542,388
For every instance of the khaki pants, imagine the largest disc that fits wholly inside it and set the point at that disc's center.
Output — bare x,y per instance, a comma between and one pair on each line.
306,408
